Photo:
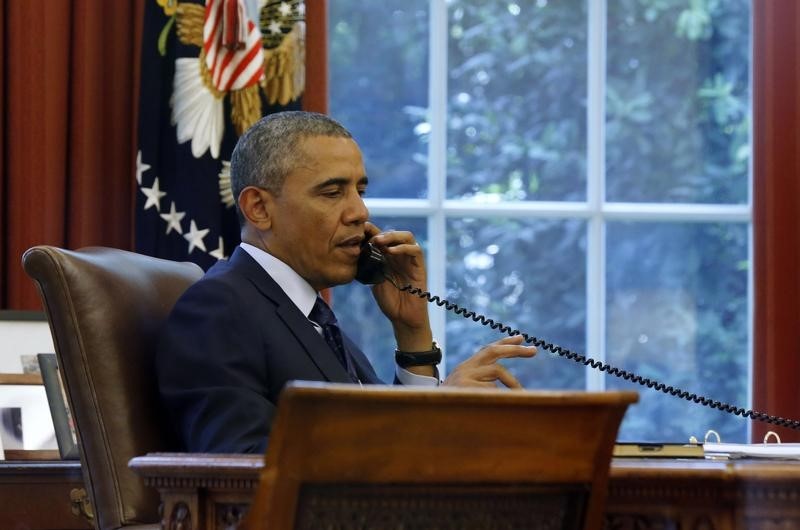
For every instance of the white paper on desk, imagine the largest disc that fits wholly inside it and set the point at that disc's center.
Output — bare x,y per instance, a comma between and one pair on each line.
781,451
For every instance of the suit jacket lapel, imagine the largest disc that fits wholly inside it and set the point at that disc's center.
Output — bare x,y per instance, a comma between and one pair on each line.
297,323
366,373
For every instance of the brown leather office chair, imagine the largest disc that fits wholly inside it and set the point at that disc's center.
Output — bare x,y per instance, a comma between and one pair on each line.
104,307
346,457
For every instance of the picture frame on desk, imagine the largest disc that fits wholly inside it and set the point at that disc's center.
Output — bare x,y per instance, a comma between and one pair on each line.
27,431
59,408
10,429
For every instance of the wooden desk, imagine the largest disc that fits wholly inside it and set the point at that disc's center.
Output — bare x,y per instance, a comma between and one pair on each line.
213,491
36,495
704,494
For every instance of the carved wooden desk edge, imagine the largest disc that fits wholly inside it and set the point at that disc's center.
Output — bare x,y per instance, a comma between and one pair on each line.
714,494
213,491
200,491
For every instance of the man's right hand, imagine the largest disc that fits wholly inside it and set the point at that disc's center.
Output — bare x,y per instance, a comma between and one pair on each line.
483,368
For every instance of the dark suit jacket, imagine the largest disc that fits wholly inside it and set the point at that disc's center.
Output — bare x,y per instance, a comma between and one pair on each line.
231,343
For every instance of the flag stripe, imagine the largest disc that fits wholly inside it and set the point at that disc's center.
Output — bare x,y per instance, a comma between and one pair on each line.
230,69
247,63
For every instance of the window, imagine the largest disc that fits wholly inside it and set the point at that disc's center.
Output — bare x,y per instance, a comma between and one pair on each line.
579,170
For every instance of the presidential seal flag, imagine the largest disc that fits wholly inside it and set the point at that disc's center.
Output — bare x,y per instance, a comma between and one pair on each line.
209,71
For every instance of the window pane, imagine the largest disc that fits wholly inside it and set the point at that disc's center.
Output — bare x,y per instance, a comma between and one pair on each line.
379,88
517,100
677,101
359,315
677,312
528,274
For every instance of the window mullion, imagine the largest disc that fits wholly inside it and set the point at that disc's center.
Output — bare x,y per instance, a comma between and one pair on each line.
595,191
437,165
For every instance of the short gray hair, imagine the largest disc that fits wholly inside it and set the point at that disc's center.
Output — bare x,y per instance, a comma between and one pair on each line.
267,152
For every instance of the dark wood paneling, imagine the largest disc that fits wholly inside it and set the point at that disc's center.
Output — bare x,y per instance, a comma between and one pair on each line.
776,196
315,97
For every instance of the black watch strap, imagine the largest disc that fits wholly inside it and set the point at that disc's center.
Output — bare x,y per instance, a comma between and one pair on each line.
431,357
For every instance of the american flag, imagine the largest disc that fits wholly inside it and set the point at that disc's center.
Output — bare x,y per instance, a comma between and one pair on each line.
205,78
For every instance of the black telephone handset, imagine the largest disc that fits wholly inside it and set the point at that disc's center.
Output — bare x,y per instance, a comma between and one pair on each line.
371,263
370,271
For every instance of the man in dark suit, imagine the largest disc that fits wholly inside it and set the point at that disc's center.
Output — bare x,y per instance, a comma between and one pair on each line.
256,321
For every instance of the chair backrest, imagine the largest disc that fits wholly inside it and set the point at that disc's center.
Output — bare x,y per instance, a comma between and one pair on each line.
341,456
105,307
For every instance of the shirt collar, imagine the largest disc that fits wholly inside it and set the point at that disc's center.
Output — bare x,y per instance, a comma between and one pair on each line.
296,288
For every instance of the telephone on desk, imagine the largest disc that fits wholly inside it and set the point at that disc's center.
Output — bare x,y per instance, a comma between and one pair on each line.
371,269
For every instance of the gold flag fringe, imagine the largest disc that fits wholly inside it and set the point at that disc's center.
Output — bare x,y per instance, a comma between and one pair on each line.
245,108
190,19
284,67
206,76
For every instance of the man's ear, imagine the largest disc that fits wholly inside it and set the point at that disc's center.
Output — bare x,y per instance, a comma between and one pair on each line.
256,205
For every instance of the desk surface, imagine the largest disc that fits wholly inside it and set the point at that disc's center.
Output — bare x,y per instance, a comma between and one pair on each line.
183,464
753,469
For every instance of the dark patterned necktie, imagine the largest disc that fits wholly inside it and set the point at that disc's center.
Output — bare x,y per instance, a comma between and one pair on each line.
323,315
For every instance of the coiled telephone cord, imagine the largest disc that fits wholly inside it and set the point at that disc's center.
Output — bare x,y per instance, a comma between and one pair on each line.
599,365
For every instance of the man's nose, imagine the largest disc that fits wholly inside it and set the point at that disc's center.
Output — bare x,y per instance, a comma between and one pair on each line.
356,211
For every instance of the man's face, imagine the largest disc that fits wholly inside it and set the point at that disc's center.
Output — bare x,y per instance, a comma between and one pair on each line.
317,222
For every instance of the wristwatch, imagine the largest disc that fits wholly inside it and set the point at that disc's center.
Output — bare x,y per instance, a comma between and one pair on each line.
432,357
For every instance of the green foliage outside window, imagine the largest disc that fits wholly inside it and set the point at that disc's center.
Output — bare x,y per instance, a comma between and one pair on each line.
677,126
